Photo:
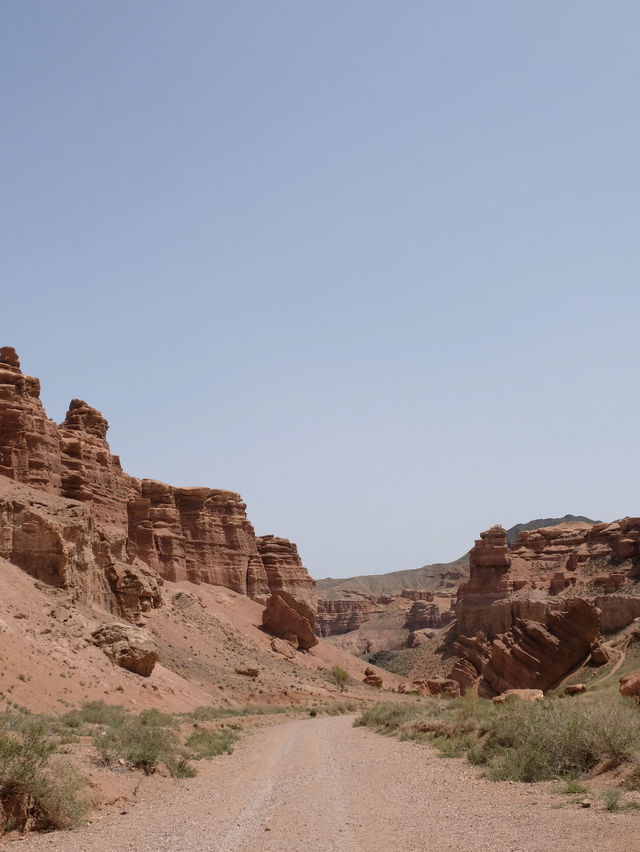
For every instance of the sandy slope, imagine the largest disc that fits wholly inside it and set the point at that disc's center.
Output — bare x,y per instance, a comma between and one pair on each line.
320,784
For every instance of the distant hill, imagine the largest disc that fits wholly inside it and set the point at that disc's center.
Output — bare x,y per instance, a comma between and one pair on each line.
442,575
512,534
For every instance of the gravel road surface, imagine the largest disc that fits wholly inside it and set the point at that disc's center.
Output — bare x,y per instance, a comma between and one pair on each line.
320,785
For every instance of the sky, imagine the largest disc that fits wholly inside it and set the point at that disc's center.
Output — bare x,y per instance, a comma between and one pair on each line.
374,265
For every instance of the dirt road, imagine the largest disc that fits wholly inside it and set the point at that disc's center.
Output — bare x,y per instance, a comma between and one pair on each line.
320,785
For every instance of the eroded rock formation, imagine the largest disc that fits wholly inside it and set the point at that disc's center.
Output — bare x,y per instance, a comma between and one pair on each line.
135,532
291,619
284,569
59,542
529,614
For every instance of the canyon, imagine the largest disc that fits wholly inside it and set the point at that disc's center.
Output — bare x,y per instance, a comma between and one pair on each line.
520,610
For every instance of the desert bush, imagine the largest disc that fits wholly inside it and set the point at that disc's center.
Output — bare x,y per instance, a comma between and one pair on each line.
207,744
612,800
154,718
31,787
340,677
543,740
388,716
141,745
99,713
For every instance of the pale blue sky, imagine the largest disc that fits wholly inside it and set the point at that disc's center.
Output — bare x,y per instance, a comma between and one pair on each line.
374,265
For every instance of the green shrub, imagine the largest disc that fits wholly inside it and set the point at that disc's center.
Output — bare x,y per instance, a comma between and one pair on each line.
340,677
99,713
388,716
47,793
612,800
207,744
154,718
140,745
544,740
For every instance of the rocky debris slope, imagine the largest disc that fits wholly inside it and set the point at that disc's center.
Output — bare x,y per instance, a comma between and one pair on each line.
115,535
530,614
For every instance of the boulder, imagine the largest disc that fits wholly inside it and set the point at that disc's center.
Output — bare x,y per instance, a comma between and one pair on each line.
600,655
286,617
248,672
129,647
575,689
372,679
630,684
522,694
443,686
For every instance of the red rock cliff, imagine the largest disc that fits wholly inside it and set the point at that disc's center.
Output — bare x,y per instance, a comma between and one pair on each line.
199,534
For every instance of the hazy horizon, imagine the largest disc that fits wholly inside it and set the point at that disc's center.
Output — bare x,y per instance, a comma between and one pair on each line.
373,266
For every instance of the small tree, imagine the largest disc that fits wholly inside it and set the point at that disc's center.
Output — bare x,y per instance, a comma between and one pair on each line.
340,676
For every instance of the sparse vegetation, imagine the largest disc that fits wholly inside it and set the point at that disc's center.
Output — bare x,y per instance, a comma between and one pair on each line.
32,786
207,744
520,741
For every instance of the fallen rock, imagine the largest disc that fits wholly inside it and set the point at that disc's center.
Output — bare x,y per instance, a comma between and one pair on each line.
247,672
286,617
372,679
600,655
523,694
281,646
630,684
575,689
443,686
129,647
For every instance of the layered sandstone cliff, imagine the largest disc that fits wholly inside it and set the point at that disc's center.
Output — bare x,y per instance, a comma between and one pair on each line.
158,530
529,614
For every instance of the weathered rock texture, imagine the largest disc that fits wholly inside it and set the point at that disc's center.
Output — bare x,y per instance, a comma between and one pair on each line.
288,618
284,569
425,614
59,542
134,532
129,647
529,614
202,535
336,617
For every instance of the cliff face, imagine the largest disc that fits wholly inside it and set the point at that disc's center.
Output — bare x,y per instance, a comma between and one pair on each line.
197,534
285,571
337,617
531,613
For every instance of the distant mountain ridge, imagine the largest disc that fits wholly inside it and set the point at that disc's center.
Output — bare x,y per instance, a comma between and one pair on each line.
514,532
441,575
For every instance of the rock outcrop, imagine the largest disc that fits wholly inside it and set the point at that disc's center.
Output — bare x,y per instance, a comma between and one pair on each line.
343,616
136,531
285,571
198,534
29,440
425,614
60,542
529,614
288,618
630,684
129,647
